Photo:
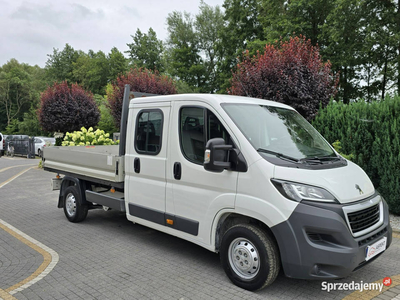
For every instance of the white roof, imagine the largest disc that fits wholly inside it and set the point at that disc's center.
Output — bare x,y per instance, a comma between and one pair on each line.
213,99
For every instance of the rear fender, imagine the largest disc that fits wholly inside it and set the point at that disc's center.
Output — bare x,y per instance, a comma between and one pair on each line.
69,181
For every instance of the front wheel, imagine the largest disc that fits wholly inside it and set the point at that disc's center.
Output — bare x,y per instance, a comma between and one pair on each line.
249,256
74,209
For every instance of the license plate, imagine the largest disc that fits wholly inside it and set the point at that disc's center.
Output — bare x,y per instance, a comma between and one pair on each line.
375,248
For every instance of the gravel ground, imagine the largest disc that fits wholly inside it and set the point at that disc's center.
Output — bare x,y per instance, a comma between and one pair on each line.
395,222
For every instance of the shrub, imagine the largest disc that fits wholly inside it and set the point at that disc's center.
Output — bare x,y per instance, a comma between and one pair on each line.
140,80
338,148
87,137
290,72
65,108
370,132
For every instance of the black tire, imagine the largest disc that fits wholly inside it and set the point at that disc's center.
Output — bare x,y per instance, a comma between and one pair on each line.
74,209
250,257
39,152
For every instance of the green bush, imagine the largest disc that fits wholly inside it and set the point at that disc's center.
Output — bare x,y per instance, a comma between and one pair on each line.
87,137
338,147
371,132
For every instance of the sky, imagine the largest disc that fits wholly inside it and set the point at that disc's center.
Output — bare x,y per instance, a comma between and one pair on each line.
31,29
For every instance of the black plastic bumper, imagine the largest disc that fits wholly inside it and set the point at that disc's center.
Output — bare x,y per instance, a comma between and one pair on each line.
316,242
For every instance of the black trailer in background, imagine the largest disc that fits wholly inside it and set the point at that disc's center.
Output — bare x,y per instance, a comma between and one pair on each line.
22,145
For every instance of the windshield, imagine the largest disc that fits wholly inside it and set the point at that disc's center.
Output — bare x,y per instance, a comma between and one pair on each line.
279,131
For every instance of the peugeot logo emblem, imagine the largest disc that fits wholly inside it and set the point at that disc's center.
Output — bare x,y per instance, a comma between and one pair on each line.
359,189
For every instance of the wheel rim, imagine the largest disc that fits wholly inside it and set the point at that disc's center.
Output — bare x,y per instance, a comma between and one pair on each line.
70,205
244,258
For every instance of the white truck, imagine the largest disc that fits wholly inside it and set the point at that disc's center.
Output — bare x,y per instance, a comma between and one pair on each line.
247,178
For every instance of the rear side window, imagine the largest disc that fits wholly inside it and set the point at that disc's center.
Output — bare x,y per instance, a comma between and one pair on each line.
148,132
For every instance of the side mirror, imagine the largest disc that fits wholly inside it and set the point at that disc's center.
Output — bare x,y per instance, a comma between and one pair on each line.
216,157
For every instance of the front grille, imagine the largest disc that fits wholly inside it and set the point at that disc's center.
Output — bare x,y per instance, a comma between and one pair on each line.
372,237
363,219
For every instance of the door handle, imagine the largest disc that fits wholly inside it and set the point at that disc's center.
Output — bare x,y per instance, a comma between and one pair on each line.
136,165
177,170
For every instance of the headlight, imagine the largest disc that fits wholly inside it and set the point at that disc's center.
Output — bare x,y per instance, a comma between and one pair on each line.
298,191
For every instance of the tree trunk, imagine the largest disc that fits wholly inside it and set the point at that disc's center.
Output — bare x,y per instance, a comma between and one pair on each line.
345,87
398,53
384,77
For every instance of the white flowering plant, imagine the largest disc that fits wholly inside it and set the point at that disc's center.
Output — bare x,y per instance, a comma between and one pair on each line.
88,137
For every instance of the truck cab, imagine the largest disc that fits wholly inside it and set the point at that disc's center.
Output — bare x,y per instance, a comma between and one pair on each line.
249,179
280,176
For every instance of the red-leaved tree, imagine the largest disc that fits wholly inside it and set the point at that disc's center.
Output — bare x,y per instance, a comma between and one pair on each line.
290,72
140,80
67,108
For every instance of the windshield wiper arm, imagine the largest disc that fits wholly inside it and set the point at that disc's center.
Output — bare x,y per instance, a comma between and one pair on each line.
277,154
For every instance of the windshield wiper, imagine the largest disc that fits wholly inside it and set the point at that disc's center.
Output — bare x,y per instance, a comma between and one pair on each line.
277,154
320,159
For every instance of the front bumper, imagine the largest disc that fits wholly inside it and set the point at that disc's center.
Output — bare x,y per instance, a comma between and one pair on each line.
316,242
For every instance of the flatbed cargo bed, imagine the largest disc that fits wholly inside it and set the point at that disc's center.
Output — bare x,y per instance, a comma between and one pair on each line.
99,163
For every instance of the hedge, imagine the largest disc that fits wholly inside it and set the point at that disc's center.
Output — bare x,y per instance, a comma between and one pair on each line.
370,131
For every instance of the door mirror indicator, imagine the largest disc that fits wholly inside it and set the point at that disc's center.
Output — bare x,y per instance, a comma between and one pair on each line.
216,156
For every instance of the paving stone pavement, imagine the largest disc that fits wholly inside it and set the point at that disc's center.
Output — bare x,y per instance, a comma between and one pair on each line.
108,257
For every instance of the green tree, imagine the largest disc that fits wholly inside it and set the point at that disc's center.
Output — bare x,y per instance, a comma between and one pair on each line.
146,50
60,64
106,122
208,25
117,64
92,71
242,27
280,19
343,31
30,124
17,90
183,53
381,28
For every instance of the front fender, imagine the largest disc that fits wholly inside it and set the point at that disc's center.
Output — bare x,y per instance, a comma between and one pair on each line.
264,210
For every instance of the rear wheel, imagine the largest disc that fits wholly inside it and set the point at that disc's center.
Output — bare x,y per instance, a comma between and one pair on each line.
74,209
39,152
249,257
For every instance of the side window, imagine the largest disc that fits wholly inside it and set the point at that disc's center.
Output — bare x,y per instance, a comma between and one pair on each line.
194,132
215,128
148,132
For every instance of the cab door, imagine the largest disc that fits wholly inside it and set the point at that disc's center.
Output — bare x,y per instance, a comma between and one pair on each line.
145,162
194,195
